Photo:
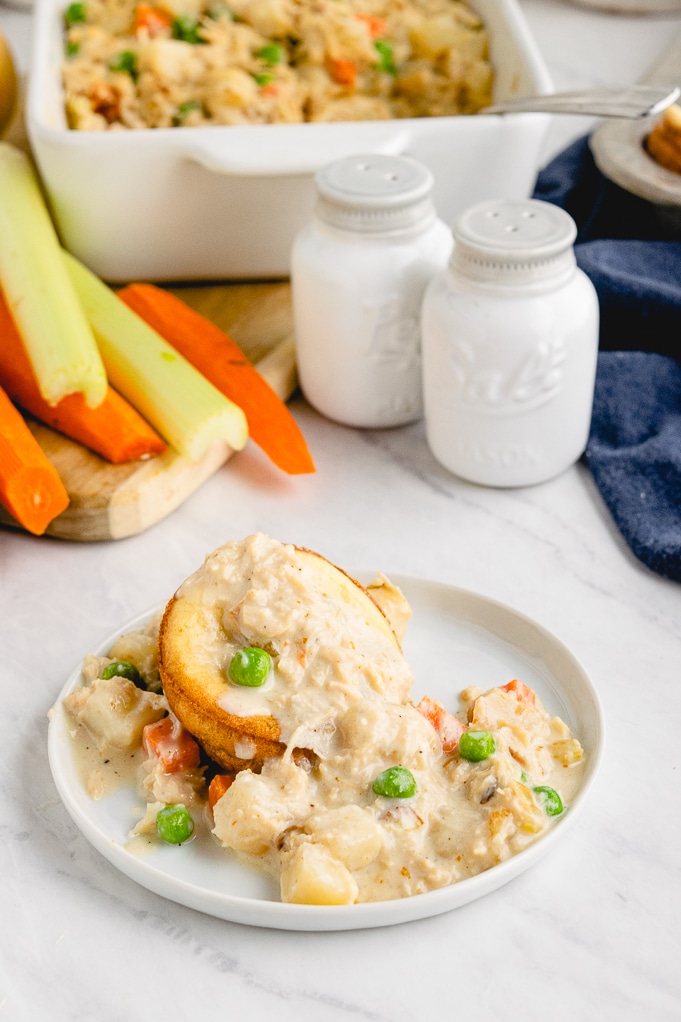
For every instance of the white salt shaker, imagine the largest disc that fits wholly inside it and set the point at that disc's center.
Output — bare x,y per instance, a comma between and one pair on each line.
358,274
510,341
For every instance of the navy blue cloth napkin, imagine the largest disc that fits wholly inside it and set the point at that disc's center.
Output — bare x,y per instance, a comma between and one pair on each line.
631,250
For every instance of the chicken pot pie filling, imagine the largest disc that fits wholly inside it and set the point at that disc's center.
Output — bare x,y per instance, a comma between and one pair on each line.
191,63
370,796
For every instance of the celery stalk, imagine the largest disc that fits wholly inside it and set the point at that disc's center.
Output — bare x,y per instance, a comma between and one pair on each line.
188,411
58,340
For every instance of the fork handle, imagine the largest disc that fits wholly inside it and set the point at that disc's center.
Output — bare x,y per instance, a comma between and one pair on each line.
632,101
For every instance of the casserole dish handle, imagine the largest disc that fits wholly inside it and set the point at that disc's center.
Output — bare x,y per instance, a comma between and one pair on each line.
289,150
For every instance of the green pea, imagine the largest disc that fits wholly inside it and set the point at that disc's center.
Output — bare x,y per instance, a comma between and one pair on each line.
184,109
124,669
550,799
71,48
271,53
75,14
174,824
386,61
263,79
125,63
395,782
476,745
187,28
250,667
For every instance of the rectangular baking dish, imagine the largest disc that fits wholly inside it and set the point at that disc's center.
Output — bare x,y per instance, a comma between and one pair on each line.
219,203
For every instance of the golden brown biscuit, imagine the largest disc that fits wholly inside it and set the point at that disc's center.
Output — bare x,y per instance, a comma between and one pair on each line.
664,141
319,625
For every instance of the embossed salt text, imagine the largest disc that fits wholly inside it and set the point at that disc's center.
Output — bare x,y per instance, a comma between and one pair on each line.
510,340
529,384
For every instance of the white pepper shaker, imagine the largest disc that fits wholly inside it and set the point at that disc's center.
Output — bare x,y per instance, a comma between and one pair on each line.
358,274
510,343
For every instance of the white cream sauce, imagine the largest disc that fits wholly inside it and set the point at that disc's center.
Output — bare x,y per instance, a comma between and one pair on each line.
102,771
242,701
332,840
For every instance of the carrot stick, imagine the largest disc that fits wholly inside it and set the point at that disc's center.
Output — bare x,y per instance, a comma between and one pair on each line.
30,487
114,429
222,361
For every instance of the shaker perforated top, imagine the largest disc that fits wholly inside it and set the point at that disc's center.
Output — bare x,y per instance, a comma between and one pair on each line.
369,193
521,240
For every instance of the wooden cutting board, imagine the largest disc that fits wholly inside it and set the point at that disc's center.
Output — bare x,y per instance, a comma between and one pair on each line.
115,501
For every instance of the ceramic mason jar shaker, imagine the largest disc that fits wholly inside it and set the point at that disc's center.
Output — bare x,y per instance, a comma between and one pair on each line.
358,274
510,341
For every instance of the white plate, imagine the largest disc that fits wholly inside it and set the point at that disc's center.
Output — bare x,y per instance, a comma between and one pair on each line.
455,638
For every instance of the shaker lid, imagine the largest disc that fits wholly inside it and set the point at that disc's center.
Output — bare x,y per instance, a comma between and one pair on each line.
505,240
369,193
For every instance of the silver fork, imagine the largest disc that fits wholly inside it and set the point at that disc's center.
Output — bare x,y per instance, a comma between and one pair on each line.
628,101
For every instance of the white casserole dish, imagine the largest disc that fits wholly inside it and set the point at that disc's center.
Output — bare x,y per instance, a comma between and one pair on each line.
226,202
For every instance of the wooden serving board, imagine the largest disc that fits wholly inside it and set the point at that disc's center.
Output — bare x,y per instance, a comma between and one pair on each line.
116,501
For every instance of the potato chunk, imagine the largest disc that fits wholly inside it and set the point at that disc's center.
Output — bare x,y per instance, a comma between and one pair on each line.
115,711
250,815
312,876
350,833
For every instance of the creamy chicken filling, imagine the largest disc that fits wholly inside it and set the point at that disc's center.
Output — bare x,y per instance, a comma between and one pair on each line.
373,799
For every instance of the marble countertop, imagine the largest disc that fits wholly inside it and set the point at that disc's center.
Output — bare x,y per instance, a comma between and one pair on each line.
590,932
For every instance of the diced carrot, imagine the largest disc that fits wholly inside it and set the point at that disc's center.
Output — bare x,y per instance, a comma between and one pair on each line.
217,787
271,89
449,728
150,20
30,487
114,429
169,742
375,25
521,691
343,72
223,363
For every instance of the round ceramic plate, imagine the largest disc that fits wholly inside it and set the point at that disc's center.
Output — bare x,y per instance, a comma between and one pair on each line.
480,642
617,144
618,147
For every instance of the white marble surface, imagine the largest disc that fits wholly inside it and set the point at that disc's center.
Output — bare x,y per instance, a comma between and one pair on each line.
590,933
